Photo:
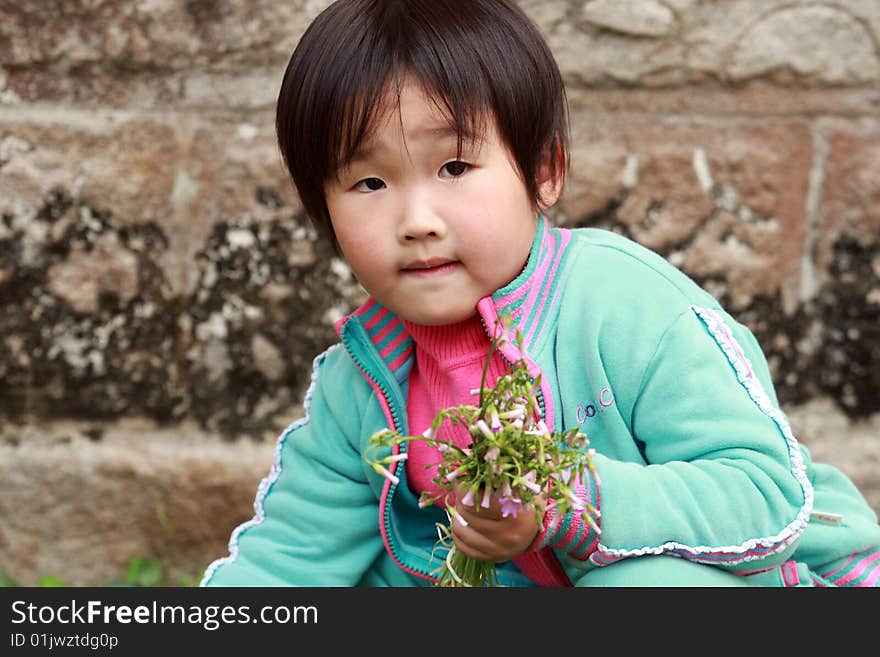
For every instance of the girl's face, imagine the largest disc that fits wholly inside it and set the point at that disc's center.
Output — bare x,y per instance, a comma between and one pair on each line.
426,234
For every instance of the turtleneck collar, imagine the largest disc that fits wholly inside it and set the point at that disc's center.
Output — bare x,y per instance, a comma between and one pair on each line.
451,344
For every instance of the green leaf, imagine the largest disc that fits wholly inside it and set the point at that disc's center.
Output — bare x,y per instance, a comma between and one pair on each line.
6,580
186,580
144,571
51,581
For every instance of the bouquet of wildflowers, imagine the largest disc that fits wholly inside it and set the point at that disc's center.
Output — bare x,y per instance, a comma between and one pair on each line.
513,456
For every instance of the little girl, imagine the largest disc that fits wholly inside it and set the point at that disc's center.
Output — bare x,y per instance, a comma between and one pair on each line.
426,138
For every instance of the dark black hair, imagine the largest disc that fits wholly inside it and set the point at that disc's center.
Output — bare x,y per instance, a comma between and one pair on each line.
473,58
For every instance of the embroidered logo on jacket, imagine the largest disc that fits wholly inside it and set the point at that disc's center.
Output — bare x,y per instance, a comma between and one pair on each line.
586,411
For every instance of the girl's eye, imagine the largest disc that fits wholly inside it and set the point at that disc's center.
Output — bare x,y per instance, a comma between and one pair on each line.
372,185
456,168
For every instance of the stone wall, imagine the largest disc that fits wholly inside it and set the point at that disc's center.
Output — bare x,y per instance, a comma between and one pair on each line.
162,295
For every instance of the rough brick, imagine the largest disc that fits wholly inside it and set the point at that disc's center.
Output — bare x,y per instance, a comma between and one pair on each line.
743,224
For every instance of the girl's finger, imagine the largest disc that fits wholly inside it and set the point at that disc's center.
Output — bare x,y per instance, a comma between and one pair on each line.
476,511
469,543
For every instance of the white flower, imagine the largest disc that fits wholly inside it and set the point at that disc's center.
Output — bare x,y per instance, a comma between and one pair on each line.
385,473
535,488
452,475
484,429
518,412
528,480
468,498
487,498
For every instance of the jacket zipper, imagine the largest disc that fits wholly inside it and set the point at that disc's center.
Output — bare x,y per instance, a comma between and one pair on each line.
390,399
393,404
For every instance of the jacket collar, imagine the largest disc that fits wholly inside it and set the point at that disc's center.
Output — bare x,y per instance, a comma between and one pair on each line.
526,300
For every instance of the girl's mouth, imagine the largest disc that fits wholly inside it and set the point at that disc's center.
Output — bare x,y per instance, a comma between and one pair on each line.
431,268
430,271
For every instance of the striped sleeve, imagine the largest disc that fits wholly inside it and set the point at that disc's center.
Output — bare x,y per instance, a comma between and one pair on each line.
574,532
859,569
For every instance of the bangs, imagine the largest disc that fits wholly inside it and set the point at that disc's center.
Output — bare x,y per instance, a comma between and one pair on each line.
462,101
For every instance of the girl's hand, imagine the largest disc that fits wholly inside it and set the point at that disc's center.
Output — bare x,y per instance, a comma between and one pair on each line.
489,536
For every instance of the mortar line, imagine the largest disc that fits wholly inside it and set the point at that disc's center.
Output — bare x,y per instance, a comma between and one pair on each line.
809,284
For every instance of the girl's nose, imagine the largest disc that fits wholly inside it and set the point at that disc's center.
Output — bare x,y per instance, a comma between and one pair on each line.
420,222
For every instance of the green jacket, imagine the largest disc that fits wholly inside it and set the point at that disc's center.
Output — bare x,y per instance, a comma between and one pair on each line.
694,457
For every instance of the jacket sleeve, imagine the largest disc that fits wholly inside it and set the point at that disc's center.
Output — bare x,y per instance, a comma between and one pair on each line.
315,512
725,482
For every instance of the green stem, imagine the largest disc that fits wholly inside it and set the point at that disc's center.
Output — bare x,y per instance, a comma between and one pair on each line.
492,345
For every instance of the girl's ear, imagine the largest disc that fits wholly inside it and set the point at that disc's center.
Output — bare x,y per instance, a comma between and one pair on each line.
551,178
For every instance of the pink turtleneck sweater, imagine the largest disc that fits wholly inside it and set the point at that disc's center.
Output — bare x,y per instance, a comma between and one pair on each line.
449,364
